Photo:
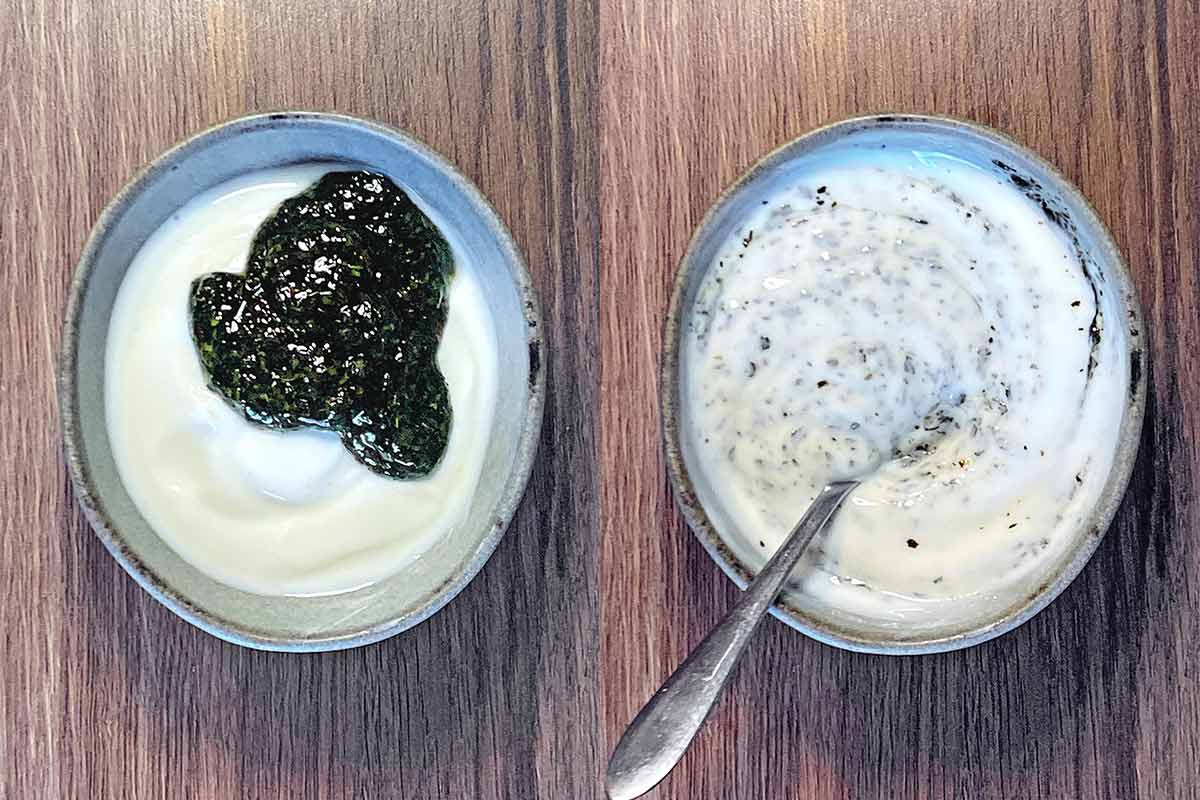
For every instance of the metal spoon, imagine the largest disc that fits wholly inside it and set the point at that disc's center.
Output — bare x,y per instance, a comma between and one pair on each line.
657,738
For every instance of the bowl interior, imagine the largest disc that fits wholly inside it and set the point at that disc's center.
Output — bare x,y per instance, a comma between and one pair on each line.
477,235
1064,207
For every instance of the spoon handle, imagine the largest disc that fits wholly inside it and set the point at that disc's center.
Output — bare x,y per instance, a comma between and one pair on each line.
666,725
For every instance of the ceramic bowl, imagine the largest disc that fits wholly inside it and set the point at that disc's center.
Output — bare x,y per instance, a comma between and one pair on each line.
199,163
1064,206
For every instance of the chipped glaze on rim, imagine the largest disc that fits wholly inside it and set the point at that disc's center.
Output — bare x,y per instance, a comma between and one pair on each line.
92,503
691,272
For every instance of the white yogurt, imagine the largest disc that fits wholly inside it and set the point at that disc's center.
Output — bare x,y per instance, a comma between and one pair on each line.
266,511
874,288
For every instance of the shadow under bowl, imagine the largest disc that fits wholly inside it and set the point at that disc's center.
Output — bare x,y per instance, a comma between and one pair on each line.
201,162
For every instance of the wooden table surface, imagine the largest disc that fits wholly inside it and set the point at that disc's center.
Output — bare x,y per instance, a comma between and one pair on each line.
601,131
105,693
1098,696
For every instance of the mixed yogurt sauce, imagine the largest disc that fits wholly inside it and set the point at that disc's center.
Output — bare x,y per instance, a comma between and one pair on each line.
914,319
281,513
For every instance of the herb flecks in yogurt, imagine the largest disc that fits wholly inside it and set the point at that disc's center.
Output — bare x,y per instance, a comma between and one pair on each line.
336,323
929,335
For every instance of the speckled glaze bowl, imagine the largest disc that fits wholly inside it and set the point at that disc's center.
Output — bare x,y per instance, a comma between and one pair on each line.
1063,206
201,162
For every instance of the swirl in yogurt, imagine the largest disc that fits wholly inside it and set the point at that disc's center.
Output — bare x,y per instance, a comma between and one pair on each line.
917,320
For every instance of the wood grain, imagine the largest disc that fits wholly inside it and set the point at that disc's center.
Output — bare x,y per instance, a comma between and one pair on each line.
601,131
1097,697
103,693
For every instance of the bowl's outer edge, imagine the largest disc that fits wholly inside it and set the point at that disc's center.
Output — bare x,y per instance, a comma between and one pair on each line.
69,413
1119,475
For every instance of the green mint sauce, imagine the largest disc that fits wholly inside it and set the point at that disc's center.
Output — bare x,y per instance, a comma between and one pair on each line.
336,323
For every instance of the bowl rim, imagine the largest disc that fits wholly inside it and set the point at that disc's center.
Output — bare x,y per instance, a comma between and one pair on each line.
1129,435
79,468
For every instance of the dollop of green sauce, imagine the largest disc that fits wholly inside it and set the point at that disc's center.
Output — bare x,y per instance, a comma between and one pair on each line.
336,323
